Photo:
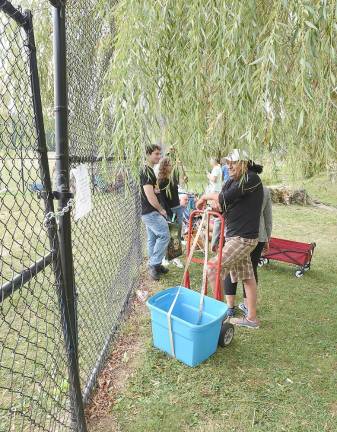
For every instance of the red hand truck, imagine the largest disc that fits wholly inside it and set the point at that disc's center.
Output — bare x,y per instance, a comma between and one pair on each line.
218,294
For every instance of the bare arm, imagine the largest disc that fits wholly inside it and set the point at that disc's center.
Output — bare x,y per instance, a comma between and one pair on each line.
215,174
207,197
153,200
212,178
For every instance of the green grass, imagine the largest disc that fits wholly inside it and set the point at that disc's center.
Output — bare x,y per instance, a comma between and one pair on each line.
164,392
197,181
321,188
280,378
318,187
33,373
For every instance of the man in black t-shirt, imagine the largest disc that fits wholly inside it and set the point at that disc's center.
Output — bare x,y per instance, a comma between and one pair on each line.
240,200
153,214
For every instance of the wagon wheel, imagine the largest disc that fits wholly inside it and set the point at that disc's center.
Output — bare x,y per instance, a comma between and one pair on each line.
306,267
226,334
299,273
263,261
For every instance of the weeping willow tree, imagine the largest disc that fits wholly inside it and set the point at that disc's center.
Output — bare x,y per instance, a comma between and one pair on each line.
206,76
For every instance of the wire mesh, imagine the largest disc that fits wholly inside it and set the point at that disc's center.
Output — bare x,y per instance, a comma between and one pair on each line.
34,388
36,378
106,243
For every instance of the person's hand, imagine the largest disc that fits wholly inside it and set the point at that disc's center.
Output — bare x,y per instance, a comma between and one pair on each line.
185,179
163,213
215,206
200,204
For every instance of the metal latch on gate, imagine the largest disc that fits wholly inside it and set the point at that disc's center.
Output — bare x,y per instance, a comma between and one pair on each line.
57,214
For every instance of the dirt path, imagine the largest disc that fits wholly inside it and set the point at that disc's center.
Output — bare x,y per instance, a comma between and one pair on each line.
122,363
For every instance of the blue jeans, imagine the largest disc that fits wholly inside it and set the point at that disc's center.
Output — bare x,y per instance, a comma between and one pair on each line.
158,237
178,211
216,233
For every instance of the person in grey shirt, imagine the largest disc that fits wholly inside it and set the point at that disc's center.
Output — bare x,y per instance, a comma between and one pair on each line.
265,228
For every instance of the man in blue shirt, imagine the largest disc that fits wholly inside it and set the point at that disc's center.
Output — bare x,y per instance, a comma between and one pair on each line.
224,168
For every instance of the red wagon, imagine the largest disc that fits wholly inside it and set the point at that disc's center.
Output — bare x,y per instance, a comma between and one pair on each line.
290,251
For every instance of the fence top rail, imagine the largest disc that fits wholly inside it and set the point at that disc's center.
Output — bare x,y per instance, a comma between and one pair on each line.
20,18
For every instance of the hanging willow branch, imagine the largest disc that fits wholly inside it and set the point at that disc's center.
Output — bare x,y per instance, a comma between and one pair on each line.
206,76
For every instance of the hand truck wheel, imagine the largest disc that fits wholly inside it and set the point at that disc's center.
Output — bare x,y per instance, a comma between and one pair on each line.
226,334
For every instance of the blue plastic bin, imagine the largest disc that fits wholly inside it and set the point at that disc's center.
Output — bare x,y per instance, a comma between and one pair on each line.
193,342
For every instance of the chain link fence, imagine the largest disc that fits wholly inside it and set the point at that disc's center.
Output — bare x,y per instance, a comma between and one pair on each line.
110,235
37,374
34,390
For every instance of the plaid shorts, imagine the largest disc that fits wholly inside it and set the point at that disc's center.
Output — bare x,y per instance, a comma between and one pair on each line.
235,259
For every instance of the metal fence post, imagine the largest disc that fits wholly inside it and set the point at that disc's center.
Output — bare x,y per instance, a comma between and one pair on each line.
64,228
39,126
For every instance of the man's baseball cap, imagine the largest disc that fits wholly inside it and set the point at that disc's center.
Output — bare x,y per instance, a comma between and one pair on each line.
237,155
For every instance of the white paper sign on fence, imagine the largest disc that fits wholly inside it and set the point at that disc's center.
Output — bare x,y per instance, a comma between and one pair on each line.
83,203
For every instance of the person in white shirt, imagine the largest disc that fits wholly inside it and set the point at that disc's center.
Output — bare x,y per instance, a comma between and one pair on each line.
215,176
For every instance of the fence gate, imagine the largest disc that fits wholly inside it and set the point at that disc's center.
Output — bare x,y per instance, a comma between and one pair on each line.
64,284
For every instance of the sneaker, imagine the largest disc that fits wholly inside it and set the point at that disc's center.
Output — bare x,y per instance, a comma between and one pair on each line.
161,269
243,308
154,273
177,262
230,312
165,262
244,322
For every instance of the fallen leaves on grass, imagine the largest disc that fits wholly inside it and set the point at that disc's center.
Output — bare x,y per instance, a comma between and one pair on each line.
121,363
